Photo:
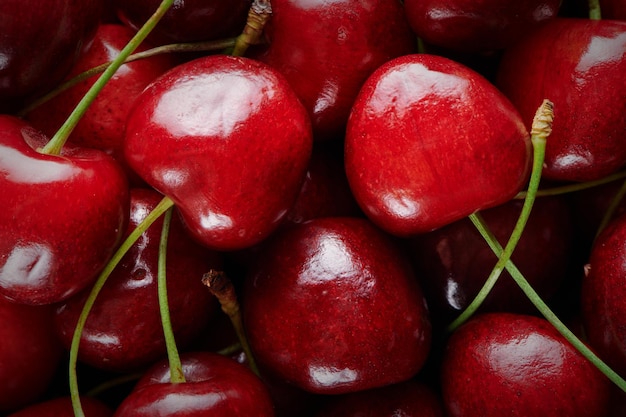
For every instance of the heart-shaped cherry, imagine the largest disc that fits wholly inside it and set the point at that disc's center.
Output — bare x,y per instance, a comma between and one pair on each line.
124,331
579,64
430,141
216,386
63,215
332,306
326,49
515,365
228,141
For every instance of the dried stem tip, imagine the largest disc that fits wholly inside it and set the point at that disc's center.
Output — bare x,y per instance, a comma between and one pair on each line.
222,288
542,123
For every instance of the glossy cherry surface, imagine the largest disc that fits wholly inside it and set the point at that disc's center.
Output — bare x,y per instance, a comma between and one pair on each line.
30,353
327,49
40,42
603,295
516,365
573,62
332,306
187,20
228,141
430,141
216,386
102,126
474,26
63,217
62,407
124,331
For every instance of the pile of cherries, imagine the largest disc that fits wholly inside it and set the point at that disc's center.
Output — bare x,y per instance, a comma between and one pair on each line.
312,208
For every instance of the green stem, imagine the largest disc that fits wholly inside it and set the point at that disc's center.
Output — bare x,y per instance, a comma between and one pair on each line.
548,314
570,188
610,212
258,15
161,208
159,50
58,140
595,12
541,130
176,368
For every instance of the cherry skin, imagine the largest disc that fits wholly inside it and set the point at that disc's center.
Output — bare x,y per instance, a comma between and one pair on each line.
507,364
228,141
475,26
124,331
453,262
30,353
572,62
216,386
62,407
327,49
332,306
102,126
40,42
187,20
407,399
430,141
63,218
602,295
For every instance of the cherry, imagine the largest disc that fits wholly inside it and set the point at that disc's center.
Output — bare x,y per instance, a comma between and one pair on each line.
453,262
602,295
475,26
62,407
30,353
187,20
40,42
64,215
430,141
332,306
326,50
228,141
571,61
516,365
216,386
123,331
102,126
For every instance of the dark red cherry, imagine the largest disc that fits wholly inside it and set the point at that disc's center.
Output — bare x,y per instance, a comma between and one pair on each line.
62,407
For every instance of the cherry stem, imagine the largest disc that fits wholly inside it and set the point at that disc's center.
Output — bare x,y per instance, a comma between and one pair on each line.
595,11
570,188
176,367
222,288
546,312
613,206
58,140
112,383
541,129
258,15
165,204
207,46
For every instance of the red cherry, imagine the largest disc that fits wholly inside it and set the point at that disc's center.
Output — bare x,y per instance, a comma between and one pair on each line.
228,141
124,330
506,364
473,26
63,215
40,42
430,141
30,353
216,386
603,296
579,64
102,126
326,50
332,306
